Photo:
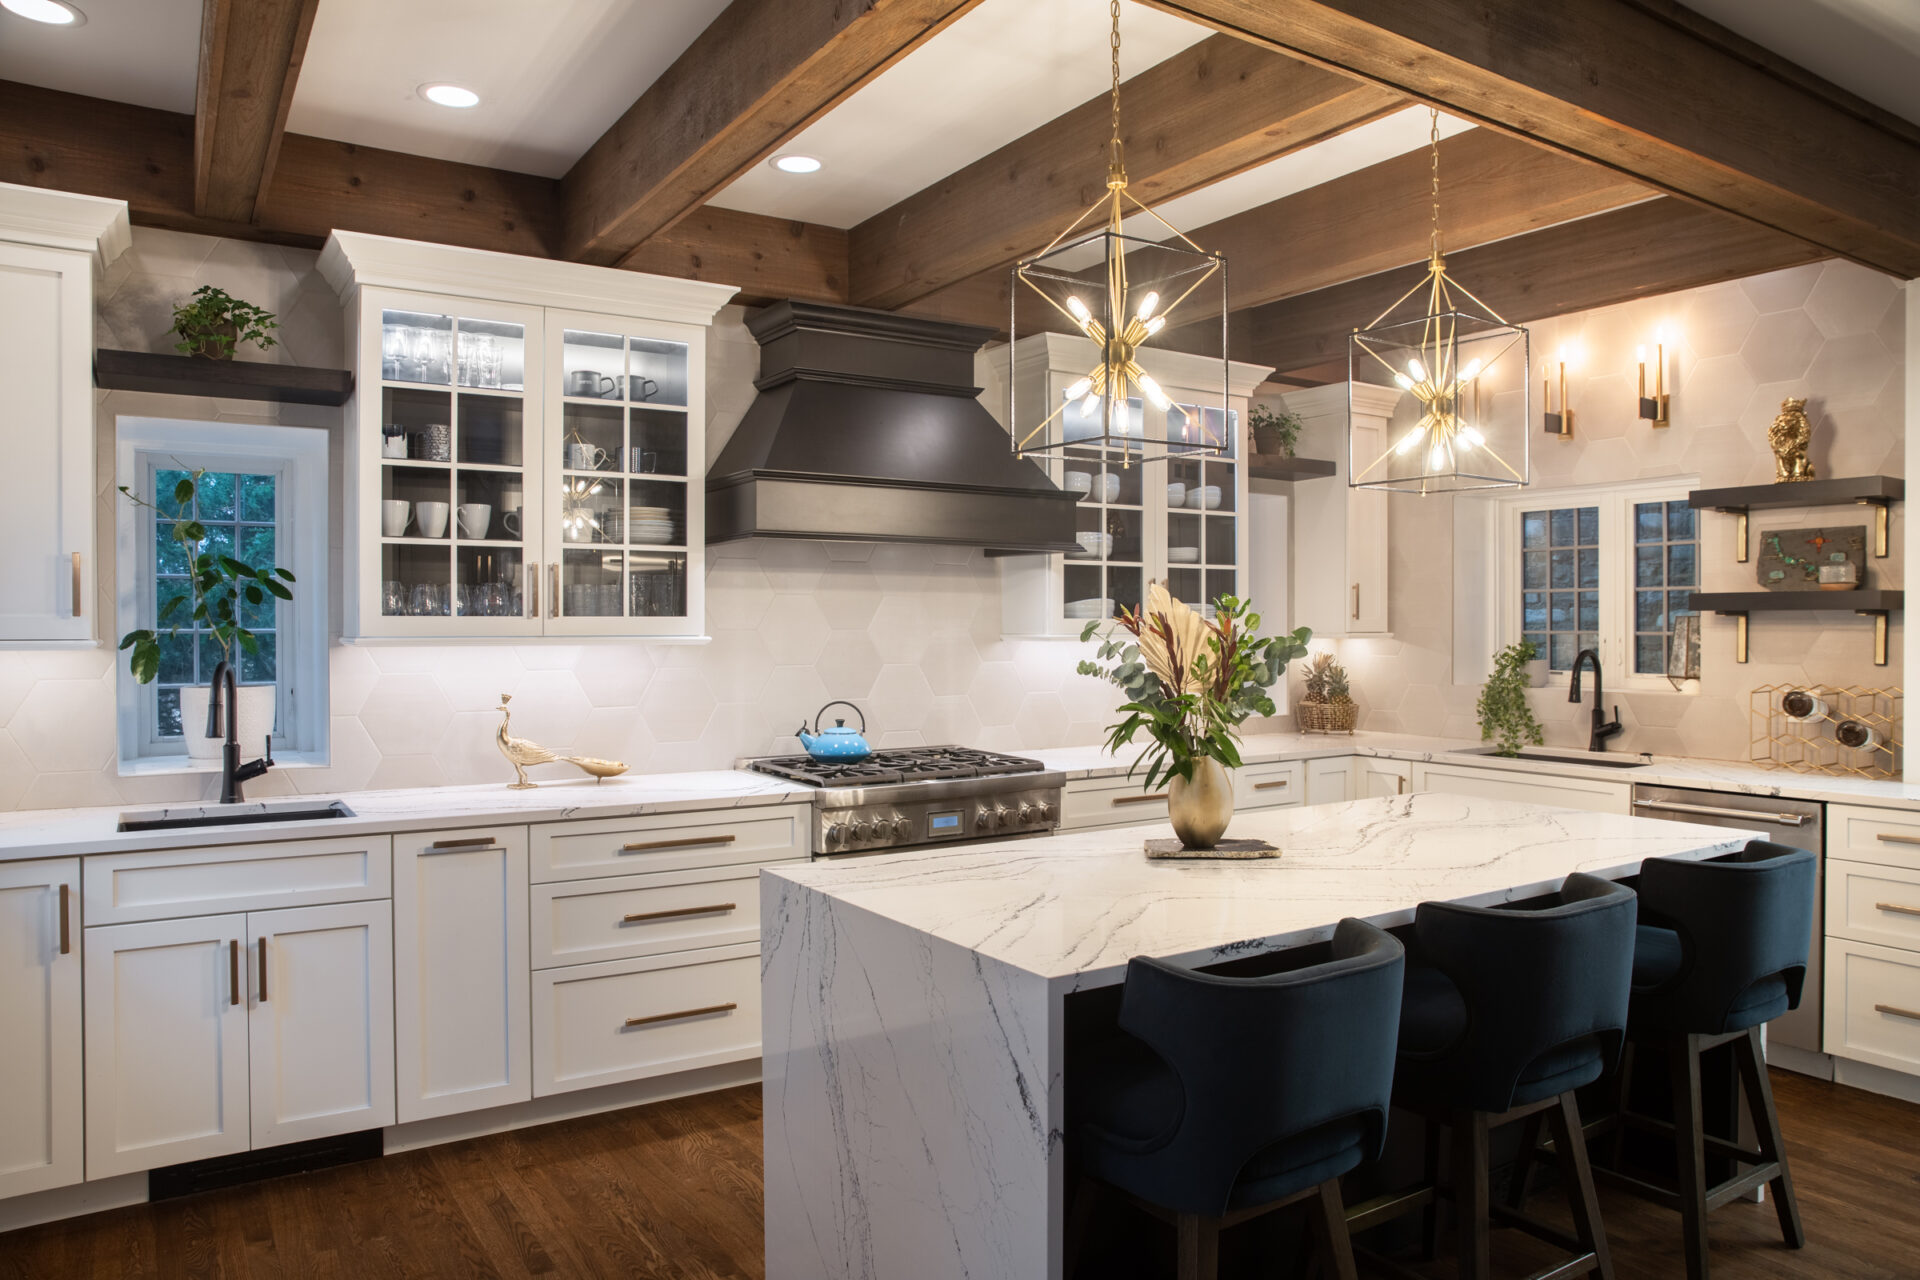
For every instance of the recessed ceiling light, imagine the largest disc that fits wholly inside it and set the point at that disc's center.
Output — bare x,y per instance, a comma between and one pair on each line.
445,95
793,163
52,12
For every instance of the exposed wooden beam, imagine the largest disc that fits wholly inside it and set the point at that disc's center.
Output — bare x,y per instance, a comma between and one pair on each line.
765,258
1204,114
1627,84
250,55
760,72
1636,252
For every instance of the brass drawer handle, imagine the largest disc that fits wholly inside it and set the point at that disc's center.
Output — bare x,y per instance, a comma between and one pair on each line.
66,927
1270,786
76,584
1897,1011
1356,602
1157,795
684,842
1887,837
728,1007
476,842
637,916
233,971
533,589
1896,908
1399,786
263,968
553,590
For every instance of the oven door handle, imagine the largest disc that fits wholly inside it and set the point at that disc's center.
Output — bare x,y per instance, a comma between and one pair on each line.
1737,815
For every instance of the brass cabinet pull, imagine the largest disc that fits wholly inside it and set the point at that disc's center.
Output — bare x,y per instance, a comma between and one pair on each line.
1270,786
1156,795
533,590
475,842
553,590
233,971
1399,785
728,1007
66,929
1356,602
637,916
1894,907
263,968
684,842
1887,837
76,584
1897,1011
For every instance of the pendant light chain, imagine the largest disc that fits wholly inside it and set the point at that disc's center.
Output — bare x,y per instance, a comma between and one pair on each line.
1116,168
1433,147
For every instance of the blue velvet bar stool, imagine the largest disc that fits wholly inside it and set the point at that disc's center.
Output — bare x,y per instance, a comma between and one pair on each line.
1722,950
1507,1012
1225,1098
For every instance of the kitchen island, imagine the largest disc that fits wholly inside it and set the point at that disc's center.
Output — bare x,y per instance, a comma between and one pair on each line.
914,1005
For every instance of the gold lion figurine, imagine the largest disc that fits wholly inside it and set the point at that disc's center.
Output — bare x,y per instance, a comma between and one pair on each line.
1789,437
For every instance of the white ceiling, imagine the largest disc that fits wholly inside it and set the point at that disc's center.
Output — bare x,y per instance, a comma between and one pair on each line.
146,52
1867,47
997,73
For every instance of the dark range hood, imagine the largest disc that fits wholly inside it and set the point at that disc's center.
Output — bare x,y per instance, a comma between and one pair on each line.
868,428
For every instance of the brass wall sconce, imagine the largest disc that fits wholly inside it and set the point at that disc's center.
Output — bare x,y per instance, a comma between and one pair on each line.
1653,407
1557,422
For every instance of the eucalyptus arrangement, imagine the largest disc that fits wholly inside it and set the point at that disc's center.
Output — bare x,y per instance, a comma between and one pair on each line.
213,323
1275,432
1504,712
1190,683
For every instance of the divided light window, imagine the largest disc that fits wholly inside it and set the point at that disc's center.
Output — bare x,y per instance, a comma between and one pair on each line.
1666,571
1560,582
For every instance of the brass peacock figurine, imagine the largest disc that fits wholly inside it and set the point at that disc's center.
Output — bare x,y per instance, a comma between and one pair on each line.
520,753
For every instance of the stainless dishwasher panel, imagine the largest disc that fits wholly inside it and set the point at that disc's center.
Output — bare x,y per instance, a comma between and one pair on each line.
1799,824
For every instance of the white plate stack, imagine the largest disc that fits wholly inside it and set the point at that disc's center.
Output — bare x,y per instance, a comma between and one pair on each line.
1207,496
649,524
1089,609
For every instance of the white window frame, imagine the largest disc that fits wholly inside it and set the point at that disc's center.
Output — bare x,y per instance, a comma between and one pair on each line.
298,455
1487,583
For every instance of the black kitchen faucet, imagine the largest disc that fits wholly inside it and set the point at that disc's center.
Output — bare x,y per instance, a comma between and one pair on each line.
1602,727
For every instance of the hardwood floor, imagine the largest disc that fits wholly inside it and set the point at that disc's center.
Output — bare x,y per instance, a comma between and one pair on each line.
673,1190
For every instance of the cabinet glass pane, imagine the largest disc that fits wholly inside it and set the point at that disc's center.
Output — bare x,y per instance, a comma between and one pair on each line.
489,430
415,580
416,347
1081,421
1183,538
416,425
592,364
656,585
1220,542
592,508
656,372
490,584
491,354
592,437
657,443
591,581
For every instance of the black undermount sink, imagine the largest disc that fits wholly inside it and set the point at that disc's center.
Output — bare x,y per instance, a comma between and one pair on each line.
231,815
1555,757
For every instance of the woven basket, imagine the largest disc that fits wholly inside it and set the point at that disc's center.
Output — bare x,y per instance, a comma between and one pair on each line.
1327,717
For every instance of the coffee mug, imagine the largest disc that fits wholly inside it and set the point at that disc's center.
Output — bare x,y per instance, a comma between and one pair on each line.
636,387
395,517
585,382
475,517
395,445
582,456
642,461
433,518
510,521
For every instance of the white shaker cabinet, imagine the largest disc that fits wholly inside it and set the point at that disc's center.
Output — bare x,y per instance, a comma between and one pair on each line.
1374,776
1340,533
462,970
52,245
41,1121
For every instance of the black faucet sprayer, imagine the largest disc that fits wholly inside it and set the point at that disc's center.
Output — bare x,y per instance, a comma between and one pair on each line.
232,772
1602,727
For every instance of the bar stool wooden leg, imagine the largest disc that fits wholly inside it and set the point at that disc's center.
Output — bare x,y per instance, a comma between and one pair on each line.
1766,1124
1471,1195
1330,1224
1690,1155
1523,1163
1197,1247
1570,1140
1622,1102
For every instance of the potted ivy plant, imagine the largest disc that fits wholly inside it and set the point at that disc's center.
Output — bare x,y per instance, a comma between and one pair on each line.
1190,683
1275,432
213,322
218,588
1506,718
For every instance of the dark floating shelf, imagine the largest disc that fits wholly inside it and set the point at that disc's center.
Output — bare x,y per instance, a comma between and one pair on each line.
225,379
1274,466
1802,493
1863,600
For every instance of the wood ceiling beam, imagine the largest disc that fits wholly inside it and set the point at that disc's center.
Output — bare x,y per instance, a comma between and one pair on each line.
1206,113
759,74
250,55
1638,85
146,157
1646,249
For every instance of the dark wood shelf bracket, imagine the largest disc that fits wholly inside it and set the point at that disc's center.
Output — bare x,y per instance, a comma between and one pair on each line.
154,371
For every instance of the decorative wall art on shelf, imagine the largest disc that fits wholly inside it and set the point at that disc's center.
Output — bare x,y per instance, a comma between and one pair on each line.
1877,492
1789,437
1829,559
1839,730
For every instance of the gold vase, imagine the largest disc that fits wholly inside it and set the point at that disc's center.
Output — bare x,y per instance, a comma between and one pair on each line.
1201,809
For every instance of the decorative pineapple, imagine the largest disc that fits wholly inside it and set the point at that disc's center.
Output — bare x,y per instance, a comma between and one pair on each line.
1327,705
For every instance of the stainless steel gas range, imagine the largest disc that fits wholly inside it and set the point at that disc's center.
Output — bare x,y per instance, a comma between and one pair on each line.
921,796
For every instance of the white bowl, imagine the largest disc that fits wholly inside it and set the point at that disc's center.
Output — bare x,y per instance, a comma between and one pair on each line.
1207,497
1109,487
1176,494
1090,608
1079,482
1094,543
1183,555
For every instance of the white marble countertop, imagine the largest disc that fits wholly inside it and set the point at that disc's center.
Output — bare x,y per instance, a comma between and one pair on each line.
1073,909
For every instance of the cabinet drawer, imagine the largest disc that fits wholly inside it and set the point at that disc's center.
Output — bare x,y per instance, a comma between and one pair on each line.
670,842
1110,802
1873,1005
1524,786
1890,837
1272,785
175,883
601,1023
580,921
1869,903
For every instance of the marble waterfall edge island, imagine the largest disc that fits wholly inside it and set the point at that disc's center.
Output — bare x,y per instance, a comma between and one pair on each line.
914,1004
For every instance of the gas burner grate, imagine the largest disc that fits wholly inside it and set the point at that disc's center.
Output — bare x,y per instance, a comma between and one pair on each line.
910,764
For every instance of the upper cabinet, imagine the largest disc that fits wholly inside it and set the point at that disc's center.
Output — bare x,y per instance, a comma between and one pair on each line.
1340,533
53,247
525,447
1180,521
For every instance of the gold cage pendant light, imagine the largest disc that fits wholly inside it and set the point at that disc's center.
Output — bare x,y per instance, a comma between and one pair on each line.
1120,290
1460,422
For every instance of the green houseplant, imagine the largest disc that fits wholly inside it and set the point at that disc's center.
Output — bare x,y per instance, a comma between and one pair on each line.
1505,715
214,322
1190,683
1275,431
218,589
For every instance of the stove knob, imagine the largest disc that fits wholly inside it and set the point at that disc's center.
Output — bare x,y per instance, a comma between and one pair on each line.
1002,816
861,829
1047,812
836,834
983,819
902,828
1027,813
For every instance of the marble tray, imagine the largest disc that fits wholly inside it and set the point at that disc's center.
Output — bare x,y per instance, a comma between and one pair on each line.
1225,849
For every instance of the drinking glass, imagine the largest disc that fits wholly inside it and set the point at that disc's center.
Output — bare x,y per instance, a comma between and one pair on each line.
393,599
427,601
497,600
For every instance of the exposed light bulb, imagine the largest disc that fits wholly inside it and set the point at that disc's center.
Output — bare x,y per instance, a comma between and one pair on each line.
1403,381
1148,305
1410,440
1079,388
1639,355
1472,437
1078,309
1088,405
1155,325
1153,392
1417,370
1472,370
1437,459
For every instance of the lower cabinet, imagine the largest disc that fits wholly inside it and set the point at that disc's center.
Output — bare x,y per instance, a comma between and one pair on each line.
1374,777
1330,781
210,1035
1525,787
41,1120
461,968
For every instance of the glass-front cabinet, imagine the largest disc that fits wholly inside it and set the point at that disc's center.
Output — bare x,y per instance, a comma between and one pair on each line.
518,469
1177,521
